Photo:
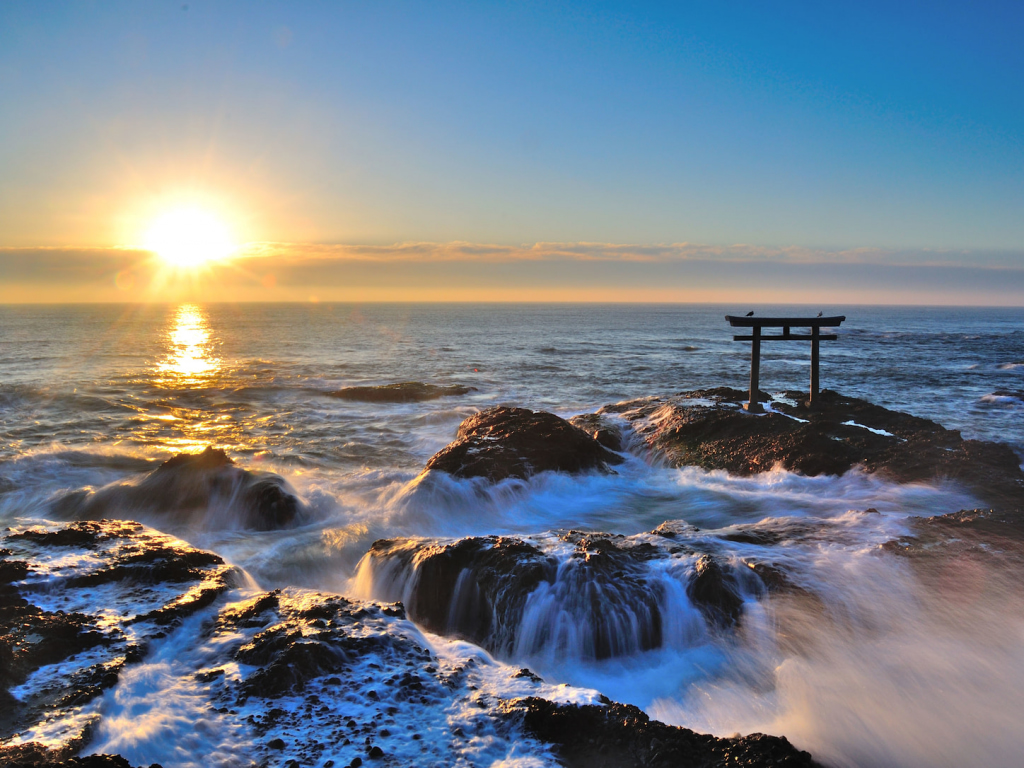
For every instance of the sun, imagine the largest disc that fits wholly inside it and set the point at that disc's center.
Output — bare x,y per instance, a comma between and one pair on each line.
189,237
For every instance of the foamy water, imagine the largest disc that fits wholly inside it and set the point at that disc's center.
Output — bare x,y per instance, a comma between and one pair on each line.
874,662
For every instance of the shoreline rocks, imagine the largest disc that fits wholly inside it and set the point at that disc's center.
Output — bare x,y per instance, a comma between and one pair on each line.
299,677
68,596
189,487
708,429
622,736
502,442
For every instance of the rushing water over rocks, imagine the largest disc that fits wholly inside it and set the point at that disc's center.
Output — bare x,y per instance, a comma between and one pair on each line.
571,596
320,678
207,486
847,577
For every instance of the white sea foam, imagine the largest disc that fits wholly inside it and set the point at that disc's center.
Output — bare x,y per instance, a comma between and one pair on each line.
882,432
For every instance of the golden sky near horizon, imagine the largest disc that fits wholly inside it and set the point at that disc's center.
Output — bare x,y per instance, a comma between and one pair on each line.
172,152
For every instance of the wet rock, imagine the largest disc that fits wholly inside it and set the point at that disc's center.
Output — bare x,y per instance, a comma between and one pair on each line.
66,643
292,650
706,428
601,428
474,588
35,755
405,392
189,486
622,736
960,536
602,597
503,442
715,592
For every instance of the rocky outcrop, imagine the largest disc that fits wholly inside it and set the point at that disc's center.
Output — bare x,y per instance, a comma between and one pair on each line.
67,598
601,428
405,392
474,588
503,442
622,736
961,536
207,488
34,755
707,428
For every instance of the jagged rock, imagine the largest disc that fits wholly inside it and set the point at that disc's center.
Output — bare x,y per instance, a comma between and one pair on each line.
506,442
406,392
323,675
35,755
715,592
473,588
983,533
831,438
65,647
188,486
600,428
622,736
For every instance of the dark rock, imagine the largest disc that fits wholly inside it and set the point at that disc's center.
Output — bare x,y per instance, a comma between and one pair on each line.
276,744
826,439
375,752
715,592
622,736
600,428
91,649
84,535
188,486
289,654
961,536
529,675
502,571
516,442
406,392
35,755
209,458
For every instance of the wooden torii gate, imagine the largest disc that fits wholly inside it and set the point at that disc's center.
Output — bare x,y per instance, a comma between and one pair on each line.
785,323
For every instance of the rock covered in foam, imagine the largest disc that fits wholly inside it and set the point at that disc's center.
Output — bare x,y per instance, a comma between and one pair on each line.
707,428
405,392
78,604
205,487
503,442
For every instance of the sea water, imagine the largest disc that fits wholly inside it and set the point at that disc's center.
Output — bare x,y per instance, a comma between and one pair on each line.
881,665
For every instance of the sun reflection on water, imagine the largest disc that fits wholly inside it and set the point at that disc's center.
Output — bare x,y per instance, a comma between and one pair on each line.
184,420
190,354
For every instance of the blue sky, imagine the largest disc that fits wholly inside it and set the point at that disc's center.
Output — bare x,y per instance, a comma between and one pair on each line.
897,127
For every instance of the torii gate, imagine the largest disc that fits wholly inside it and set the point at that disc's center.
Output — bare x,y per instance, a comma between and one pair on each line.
785,323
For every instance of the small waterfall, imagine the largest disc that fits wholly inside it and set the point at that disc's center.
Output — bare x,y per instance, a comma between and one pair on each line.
570,597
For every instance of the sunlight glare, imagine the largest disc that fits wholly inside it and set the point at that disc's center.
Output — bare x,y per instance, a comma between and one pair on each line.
189,237
190,348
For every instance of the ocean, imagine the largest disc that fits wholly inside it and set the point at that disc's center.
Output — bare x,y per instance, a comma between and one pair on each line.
884,669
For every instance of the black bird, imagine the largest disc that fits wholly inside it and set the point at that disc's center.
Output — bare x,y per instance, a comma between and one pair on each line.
750,313
819,314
